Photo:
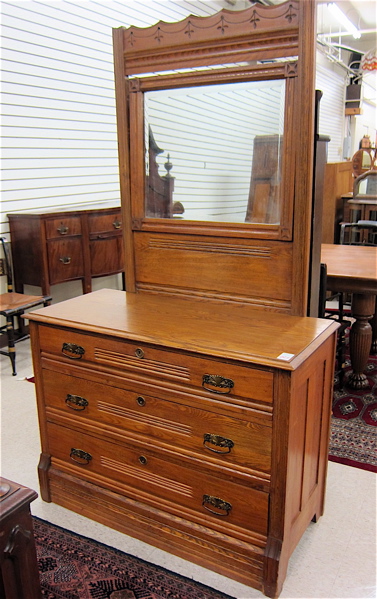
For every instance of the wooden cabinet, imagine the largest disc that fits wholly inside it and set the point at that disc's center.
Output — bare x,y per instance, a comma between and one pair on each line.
66,245
19,574
203,432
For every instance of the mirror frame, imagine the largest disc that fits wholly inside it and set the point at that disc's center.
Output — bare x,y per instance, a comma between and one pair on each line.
140,85
257,37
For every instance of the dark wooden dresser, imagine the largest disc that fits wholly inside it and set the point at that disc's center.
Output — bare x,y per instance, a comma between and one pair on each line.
66,245
19,574
203,432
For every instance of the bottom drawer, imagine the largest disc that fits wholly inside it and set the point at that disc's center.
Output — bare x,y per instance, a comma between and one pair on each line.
214,501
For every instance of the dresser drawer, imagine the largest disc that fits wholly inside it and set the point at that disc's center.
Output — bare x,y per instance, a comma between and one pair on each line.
215,437
217,378
105,223
148,476
65,226
65,260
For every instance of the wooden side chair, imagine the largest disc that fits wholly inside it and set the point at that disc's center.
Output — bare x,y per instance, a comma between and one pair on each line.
341,313
13,305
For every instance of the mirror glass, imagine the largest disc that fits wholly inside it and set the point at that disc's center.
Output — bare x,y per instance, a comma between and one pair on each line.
214,153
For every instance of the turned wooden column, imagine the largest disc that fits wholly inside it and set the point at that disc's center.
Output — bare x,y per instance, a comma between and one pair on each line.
363,308
373,323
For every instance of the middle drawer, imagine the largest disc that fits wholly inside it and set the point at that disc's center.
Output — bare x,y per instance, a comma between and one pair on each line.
215,436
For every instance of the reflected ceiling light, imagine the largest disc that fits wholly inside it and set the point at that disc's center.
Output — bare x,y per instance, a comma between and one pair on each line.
341,17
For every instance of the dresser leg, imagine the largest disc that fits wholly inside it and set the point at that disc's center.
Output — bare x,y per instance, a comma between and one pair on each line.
275,568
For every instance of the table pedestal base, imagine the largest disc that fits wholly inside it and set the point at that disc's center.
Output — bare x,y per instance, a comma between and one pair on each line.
363,308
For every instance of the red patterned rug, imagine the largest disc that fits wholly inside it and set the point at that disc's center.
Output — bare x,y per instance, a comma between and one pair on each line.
353,439
75,567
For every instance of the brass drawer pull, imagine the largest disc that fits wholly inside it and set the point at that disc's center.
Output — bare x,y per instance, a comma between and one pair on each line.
63,230
65,259
75,402
140,401
73,351
224,445
139,353
143,460
117,224
80,457
216,380
218,504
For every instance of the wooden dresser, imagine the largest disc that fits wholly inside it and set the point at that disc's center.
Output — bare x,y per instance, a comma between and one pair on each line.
203,432
193,411
66,245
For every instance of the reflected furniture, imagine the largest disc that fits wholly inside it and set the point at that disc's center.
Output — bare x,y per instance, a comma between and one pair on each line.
19,572
193,411
361,209
338,183
14,305
265,179
353,269
55,246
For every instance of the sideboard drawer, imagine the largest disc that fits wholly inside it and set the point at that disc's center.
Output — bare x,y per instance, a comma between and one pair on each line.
105,223
217,378
150,476
65,226
217,437
65,260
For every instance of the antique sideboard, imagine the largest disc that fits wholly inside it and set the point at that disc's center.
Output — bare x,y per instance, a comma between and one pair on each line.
65,244
193,410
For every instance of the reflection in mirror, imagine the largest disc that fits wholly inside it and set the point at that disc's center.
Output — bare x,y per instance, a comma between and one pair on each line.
215,152
365,186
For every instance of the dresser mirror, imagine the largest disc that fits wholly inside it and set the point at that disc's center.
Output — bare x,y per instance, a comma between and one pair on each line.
222,145
216,144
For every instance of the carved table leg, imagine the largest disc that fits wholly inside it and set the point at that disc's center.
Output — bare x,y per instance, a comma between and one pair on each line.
363,306
373,323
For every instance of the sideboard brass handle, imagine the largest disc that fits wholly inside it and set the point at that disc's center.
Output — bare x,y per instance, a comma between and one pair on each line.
117,224
80,456
222,508
225,445
73,351
63,230
139,353
75,402
65,259
215,380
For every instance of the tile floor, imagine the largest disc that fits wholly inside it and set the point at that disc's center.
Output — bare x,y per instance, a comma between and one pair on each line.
336,557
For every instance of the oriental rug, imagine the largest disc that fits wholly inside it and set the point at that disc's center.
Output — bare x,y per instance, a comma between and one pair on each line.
75,567
353,438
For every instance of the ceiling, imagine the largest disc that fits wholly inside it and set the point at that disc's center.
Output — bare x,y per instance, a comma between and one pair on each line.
362,13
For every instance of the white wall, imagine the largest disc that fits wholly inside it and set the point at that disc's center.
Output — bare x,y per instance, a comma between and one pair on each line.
59,144
58,105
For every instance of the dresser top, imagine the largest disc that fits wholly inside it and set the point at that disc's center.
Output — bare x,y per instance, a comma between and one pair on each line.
61,210
230,331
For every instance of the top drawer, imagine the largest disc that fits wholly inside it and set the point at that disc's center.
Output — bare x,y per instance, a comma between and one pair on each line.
213,377
60,227
105,223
